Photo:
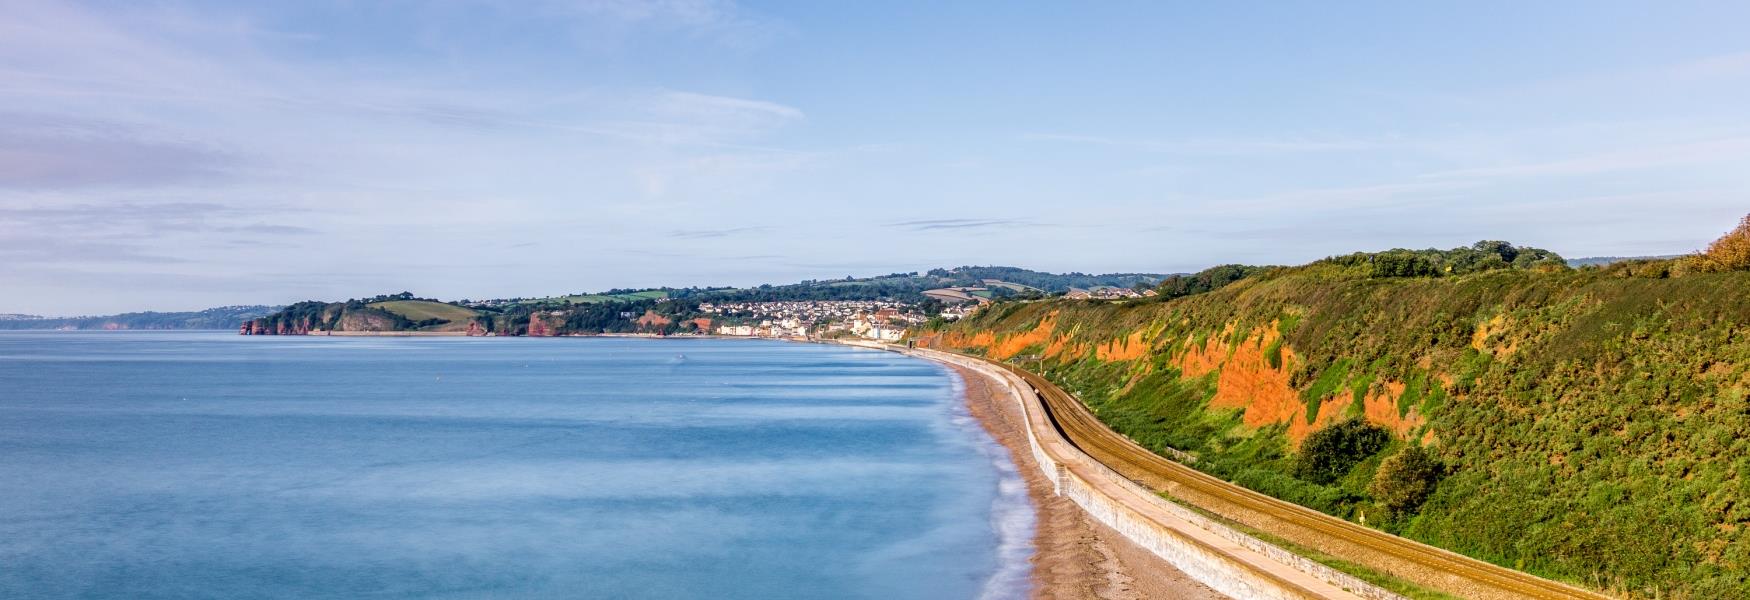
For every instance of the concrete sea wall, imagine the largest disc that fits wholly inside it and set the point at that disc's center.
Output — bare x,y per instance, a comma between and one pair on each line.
1227,560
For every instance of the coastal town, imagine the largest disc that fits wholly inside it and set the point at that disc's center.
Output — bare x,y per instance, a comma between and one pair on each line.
882,309
877,320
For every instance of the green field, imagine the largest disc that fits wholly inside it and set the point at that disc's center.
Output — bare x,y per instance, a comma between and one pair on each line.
420,310
599,298
1010,285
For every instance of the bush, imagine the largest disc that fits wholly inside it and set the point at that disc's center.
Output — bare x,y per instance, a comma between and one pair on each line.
1405,479
1731,252
1330,453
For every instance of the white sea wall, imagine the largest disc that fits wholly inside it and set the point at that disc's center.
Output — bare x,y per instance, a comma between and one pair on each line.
1227,560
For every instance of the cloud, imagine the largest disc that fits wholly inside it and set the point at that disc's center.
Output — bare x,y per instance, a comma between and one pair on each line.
47,151
168,216
706,105
700,234
271,229
697,14
941,224
134,233
32,249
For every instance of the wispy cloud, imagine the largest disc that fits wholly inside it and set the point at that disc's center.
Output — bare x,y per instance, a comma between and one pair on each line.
1216,147
720,18
701,234
270,229
955,224
48,151
691,104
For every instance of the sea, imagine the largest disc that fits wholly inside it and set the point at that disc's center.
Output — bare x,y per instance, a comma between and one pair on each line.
145,465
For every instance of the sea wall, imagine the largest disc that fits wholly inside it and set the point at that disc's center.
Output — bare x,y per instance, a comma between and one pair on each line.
1227,560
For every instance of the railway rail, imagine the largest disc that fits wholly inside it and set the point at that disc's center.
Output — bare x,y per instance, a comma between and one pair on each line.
1426,565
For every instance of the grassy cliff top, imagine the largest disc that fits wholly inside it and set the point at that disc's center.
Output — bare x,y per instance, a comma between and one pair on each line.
422,310
1591,424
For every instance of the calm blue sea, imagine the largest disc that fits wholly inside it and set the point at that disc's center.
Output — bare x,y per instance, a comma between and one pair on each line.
211,465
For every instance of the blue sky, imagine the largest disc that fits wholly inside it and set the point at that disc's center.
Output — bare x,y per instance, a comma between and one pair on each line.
178,155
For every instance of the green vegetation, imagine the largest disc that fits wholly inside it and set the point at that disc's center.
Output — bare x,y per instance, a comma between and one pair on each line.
426,310
613,297
909,287
1482,256
1332,452
1590,425
1011,286
1729,253
1213,278
1405,479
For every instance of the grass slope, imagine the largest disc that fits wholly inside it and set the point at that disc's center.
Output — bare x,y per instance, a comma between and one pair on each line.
424,310
1594,424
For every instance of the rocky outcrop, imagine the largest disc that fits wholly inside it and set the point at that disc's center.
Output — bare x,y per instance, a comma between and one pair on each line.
651,320
263,327
475,329
539,327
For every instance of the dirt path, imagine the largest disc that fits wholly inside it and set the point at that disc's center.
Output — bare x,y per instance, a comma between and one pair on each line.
1074,557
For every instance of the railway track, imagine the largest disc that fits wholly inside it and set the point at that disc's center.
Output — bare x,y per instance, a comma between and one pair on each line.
1415,561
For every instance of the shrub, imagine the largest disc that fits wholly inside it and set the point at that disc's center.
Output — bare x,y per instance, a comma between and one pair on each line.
1405,479
1732,251
1330,453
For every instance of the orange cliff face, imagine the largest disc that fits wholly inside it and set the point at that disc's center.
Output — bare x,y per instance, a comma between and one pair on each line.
1247,381
1002,348
651,320
1253,375
1126,348
539,327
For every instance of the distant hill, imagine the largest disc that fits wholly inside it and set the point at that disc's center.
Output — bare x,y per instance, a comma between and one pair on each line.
910,287
1600,261
224,317
658,310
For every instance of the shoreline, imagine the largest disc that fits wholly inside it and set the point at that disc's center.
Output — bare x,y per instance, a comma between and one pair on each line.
1074,556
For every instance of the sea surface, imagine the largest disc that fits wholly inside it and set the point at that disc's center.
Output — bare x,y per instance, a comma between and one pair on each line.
210,465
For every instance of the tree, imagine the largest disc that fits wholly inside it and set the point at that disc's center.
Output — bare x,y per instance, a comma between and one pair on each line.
1498,248
1731,252
1402,263
1328,454
1405,479
1210,279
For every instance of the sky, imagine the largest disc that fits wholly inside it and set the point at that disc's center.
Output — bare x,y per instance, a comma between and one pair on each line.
181,155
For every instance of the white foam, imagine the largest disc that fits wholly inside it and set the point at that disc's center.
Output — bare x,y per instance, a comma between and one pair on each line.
1011,513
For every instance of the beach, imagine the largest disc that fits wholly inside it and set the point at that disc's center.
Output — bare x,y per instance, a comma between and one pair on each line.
1075,557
